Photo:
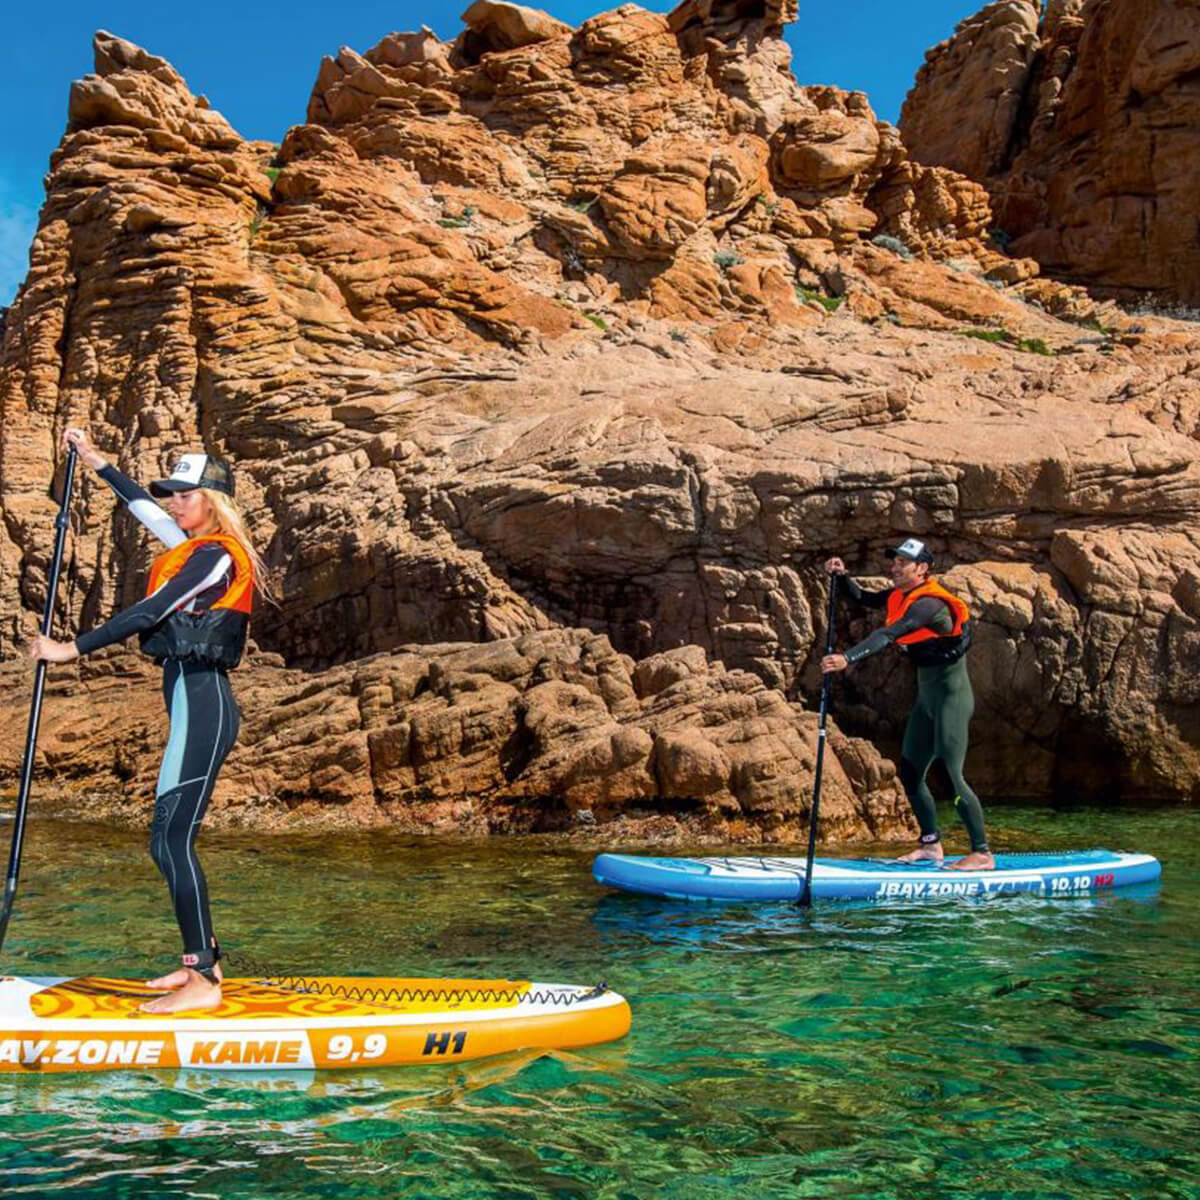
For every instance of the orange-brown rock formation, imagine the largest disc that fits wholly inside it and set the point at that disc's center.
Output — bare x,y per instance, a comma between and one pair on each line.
554,362
548,731
1083,123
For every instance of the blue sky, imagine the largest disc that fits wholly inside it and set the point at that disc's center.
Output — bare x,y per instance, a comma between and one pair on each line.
257,67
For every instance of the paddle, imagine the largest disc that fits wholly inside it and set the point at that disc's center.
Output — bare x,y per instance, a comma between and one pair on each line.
35,712
805,900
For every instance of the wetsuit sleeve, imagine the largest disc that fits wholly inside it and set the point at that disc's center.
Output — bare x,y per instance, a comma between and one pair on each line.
204,569
927,613
867,599
143,506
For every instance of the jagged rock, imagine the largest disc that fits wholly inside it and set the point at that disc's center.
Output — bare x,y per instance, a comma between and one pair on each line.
494,27
966,100
1085,131
516,734
477,394
1091,649
139,90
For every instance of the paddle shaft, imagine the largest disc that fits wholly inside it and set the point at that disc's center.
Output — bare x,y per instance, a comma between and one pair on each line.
35,710
805,900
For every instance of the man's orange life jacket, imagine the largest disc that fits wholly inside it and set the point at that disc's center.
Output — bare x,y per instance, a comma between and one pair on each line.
946,647
216,636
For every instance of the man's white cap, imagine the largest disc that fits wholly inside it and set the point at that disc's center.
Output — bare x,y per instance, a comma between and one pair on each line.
912,548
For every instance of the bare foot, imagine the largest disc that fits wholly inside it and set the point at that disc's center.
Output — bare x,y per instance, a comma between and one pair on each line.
930,854
176,979
196,993
975,861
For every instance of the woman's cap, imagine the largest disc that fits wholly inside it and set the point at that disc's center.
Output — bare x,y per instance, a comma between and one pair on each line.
912,548
195,471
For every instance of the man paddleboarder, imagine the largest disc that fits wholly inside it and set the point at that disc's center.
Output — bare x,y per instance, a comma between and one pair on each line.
193,623
932,626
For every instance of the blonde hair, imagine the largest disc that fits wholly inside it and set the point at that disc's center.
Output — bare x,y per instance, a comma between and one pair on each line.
230,522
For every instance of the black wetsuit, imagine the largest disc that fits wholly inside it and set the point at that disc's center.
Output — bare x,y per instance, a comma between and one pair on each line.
203,715
937,726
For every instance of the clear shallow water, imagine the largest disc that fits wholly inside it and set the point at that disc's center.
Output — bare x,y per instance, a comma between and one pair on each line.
1013,1048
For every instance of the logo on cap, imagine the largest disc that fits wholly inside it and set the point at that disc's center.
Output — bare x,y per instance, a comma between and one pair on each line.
189,469
195,471
912,548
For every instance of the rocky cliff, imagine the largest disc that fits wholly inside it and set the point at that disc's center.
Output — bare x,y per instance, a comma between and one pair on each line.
554,362
1082,120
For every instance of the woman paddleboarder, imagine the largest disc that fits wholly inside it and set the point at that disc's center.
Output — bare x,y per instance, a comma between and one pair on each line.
193,623
933,627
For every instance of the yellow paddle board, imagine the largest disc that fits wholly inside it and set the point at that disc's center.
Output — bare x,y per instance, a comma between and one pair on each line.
93,1024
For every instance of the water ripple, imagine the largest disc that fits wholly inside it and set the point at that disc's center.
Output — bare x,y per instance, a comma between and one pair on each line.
1015,1048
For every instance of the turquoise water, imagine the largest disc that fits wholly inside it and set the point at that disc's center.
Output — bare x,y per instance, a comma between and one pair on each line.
1013,1048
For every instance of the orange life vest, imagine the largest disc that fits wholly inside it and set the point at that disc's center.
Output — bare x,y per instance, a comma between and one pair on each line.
217,636
952,645
241,591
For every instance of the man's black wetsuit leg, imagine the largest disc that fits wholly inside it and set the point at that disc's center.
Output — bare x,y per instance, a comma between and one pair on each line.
916,757
949,690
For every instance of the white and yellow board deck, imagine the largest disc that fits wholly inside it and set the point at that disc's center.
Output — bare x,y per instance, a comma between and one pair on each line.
93,1024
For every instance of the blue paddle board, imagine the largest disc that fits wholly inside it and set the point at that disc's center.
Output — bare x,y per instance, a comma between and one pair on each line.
1065,873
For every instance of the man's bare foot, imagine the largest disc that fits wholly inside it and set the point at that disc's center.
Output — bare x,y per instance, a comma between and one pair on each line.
176,979
977,860
930,854
196,993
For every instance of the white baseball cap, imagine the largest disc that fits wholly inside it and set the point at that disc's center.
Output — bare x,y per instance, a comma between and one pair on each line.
912,548
195,471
